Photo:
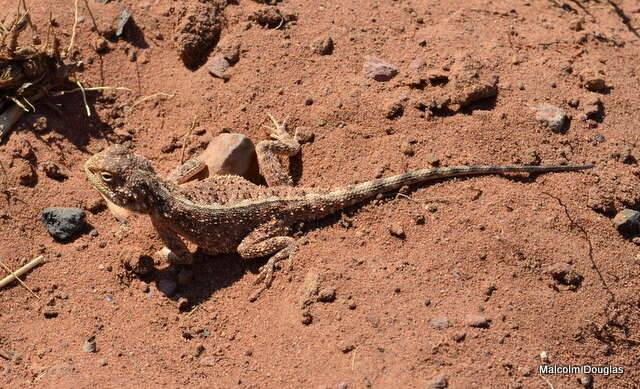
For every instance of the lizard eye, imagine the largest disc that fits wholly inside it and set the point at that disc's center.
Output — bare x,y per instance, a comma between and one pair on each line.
106,176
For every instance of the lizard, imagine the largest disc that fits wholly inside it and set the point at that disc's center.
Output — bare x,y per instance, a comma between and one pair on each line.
227,213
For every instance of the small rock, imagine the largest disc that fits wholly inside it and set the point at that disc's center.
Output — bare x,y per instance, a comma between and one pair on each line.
397,230
208,361
439,323
323,45
268,17
198,351
563,273
466,95
230,154
307,318
432,159
230,50
392,109
577,24
53,171
63,223
89,345
345,347
407,148
551,117
489,289
197,30
544,357
50,313
304,135
103,362
417,64
439,382
623,154
592,106
25,172
101,45
627,221
531,157
217,66
125,16
167,286
586,380
593,79
477,321
343,385
378,70
327,295
308,101
459,336
134,260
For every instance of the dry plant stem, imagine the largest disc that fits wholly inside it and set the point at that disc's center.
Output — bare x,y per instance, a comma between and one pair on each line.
11,115
7,268
547,381
73,30
5,355
159,94
93,19
94,88
186,138
33,263
84,98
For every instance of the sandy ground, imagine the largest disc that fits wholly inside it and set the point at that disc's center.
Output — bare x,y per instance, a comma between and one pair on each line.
470,75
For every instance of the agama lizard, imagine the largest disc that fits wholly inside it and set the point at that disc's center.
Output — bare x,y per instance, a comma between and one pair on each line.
226,214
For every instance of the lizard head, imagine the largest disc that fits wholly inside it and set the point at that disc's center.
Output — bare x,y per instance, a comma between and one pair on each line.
122,178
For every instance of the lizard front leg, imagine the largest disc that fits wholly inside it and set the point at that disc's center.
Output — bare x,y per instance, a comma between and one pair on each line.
179,252
269,238
267,152
186,171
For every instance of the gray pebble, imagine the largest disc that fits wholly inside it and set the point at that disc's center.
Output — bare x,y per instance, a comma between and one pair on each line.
439,382
627,221
478,321
397,230
89,345
439,323
217,66
378,70
323,45
63,224
564,274
551,117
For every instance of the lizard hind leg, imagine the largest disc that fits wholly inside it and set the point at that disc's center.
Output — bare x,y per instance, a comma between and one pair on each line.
267,151
269,238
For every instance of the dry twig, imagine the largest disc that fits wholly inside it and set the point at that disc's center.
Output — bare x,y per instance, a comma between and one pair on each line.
186,137
142,100
6,355
7,268
30,265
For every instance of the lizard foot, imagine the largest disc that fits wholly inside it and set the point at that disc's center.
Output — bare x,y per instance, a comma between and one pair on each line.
265,276
279,130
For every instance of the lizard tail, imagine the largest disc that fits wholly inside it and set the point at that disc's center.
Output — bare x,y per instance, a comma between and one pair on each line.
353,194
